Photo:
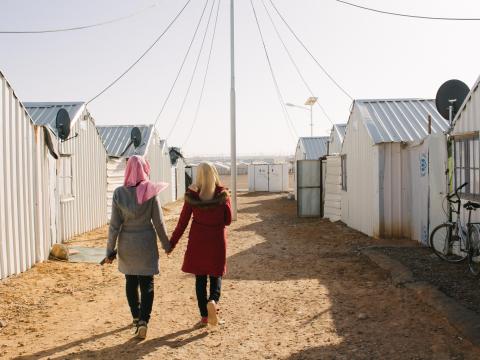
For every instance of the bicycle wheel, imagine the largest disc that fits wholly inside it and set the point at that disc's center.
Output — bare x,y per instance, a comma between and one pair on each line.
474,250
445,244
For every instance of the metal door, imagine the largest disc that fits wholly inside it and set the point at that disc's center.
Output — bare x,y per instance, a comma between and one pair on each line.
275,181
261,177
309,188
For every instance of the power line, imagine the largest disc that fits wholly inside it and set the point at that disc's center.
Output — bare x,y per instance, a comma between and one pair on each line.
279,94
182,65
309,53
407,15
204,79
294,63
83,27
141,56
193,73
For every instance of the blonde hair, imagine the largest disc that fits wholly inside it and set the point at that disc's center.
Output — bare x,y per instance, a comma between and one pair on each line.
207,179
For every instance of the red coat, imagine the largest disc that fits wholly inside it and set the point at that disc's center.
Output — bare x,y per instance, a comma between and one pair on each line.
207,241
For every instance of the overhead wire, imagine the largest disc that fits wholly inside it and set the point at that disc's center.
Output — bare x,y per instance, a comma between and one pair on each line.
279,94
335,82
181,65
193,73
406,15
197,110
82,27
294,63
142,55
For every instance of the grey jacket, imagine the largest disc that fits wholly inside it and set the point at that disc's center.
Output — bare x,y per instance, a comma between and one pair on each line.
134,226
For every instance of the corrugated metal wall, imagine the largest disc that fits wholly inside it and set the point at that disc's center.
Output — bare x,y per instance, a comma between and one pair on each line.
22,232
468,119
161,167
335,145
393,218
360,208
181,188
87,210
333,188
115,177
156,158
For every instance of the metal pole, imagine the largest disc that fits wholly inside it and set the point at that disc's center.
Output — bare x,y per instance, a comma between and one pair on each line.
311,120
449,149
233,141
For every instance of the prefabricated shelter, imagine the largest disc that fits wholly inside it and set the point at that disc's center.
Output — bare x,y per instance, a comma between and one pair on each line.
333,188
222,169
465,133
178,173
268,177
242,168
335,140
310,150
25,216
387,162
117,142
333,175
80,171
166,174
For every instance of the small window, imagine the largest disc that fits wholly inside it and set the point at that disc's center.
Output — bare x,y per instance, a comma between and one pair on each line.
344,172
467,166
66,178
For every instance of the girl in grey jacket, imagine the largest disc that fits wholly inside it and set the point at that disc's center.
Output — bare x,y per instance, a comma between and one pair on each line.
136,221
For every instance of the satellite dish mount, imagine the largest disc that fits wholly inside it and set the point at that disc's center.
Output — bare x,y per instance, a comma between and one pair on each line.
135,139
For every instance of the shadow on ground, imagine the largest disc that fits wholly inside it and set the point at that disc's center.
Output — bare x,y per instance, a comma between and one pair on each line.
373,319
130,350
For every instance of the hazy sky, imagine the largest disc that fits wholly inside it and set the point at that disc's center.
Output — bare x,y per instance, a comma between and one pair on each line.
372,56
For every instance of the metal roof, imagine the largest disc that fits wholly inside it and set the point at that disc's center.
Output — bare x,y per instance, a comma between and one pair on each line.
314,147
399,120
45,113
116,138
340,130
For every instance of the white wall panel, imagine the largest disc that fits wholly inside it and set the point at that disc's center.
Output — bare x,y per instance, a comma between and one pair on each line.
360,202
21,221
88,209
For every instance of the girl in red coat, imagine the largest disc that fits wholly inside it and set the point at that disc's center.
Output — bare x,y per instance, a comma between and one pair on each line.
209,203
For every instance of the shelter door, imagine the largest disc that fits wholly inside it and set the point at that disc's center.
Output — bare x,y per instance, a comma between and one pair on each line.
309,188
275,178
261,178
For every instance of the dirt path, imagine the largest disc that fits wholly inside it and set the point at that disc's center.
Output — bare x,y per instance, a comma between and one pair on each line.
296,289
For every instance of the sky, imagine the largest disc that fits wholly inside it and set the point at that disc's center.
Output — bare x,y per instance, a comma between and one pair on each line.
370,55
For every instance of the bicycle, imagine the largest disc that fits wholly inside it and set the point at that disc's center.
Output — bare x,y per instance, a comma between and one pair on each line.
454,241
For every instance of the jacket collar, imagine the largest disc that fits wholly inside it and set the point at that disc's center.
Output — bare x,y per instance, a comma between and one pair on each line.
220,197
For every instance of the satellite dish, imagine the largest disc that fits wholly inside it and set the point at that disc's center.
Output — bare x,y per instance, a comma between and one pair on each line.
62,123
136,137
451,93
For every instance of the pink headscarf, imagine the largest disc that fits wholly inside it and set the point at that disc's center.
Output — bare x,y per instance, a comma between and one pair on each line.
137,174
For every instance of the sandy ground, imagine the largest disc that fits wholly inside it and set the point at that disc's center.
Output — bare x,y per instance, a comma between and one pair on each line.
296,289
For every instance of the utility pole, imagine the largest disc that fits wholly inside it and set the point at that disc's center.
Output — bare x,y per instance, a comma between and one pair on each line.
233,135
311,120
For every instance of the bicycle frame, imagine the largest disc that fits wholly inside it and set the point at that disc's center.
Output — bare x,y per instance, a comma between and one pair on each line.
461,229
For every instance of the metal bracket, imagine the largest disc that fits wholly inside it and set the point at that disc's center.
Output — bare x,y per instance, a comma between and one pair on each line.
70,138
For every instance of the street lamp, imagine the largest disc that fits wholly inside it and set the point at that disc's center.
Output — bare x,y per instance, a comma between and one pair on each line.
310,102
